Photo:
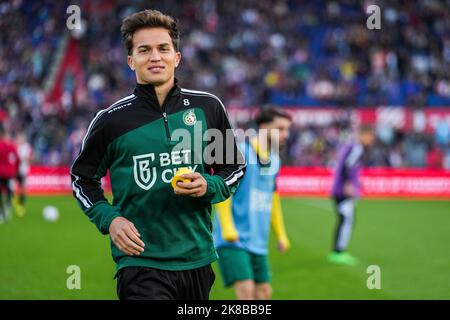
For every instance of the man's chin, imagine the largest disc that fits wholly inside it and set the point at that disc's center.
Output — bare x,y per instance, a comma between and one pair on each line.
156,81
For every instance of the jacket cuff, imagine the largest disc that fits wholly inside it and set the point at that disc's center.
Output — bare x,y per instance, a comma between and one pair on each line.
102,214
217,190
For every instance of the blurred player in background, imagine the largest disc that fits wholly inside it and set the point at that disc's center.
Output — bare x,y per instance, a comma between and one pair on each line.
9,166
345,191
24,151
242,224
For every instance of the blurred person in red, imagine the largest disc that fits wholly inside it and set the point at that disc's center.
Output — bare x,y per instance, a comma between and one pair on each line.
9,168
434,157
25,153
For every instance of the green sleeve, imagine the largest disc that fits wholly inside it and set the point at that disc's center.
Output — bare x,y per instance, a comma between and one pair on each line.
217,190
102,214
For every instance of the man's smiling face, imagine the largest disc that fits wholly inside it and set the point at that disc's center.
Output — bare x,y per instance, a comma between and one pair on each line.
153,56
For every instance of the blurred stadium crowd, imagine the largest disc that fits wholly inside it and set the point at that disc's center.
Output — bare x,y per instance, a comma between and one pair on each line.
249,53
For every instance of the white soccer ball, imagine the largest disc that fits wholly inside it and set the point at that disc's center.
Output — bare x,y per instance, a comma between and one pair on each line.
50,213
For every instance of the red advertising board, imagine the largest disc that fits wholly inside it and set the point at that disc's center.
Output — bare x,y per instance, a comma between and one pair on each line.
396,117
380,182
43,180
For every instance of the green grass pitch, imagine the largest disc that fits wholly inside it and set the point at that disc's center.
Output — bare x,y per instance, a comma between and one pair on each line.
408,240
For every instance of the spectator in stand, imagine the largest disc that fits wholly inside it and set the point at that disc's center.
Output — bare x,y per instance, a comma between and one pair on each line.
434,158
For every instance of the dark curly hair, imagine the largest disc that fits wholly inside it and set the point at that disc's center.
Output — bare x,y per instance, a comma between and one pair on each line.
148,19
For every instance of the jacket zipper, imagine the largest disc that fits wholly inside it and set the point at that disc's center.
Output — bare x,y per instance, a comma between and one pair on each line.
166,125
164,113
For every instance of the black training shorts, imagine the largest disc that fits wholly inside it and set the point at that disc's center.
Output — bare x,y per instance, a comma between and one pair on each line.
142,283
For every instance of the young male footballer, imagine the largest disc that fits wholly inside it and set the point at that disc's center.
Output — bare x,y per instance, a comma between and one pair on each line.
242,224
345,191
161,237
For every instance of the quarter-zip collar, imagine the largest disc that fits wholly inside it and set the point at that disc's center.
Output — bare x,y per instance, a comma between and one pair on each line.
147,91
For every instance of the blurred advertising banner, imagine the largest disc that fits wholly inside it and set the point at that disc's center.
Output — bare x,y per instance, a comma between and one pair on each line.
400,118
42,180
379,182
376,182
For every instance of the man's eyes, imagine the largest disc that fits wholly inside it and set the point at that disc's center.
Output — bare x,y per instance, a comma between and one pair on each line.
144,50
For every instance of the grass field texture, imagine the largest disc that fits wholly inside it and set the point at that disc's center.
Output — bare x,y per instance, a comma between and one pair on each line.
409,241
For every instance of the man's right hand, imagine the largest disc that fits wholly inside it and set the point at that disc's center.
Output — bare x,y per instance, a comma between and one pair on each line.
349,190
230,235
126,237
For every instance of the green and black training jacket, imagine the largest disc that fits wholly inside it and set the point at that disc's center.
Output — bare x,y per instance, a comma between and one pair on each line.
142,144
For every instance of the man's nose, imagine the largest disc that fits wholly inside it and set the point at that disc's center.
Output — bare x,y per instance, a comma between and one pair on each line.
155,56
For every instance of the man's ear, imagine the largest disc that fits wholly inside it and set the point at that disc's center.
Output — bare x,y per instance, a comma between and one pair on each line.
130,62
177,58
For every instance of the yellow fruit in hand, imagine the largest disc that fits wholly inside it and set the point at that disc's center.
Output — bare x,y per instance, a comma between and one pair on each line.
177,176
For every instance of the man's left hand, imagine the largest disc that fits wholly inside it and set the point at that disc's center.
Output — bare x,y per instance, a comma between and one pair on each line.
196,188
283,246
